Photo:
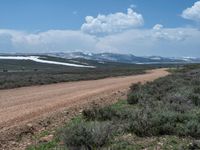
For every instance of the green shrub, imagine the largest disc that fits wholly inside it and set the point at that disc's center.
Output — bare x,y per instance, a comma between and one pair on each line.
151,122
133,98
135,87
87,135
193,128
195,98
5,70
134,94
140,124
197,90
101,114
167,106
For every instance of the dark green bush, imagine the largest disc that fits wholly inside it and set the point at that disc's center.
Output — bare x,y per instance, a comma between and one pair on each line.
195,98
167,106
197,89
133,98
134,94
156,123
98,113
140,124
193,128
135,87
5,70
87,135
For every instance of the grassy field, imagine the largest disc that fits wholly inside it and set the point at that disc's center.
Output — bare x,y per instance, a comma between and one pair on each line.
18,73
164,114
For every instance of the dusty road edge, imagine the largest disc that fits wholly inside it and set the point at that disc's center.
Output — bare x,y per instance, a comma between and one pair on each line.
19,137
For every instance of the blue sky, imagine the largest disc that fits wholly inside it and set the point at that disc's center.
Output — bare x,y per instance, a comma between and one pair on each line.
36,26
33,15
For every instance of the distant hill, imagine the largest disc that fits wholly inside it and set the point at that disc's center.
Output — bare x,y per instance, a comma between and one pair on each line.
113,57
125,58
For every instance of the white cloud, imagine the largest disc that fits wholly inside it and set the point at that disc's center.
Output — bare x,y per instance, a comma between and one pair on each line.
164,42
119,33
49,41
192,13
112,23
176,34
158,27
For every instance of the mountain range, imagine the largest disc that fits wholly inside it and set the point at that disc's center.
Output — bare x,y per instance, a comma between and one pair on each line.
125,58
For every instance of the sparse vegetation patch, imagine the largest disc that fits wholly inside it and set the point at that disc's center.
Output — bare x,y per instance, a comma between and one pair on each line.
164,113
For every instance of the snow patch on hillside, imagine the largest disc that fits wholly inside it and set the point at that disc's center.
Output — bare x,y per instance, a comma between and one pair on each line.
37,59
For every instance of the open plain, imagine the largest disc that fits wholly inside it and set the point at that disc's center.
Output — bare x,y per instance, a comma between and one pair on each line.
26,103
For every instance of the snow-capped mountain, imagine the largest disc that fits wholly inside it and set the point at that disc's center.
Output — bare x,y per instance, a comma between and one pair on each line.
121,58
125,58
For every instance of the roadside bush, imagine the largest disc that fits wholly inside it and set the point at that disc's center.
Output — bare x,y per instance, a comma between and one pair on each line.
134,94
5,70
195,81
167,106
193,128
140,124
197,90
135,87
152,122
133,98
195,98
87,135
177,102
149,123
90,114
98,113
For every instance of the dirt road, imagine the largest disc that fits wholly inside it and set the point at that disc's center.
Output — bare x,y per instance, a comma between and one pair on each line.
22,104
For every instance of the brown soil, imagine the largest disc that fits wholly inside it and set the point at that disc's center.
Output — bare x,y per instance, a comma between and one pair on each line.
21,106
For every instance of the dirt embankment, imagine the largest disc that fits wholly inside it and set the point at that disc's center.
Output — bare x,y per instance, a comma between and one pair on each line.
20,106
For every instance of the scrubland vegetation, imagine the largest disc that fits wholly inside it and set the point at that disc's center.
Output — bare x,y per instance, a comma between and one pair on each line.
163,114
167,106
18,73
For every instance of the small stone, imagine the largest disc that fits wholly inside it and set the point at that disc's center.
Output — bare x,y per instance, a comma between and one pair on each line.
42,129
158,147
194,145
29,129
61,143
159,143
29,125
13,143
46,139
66,112
28,144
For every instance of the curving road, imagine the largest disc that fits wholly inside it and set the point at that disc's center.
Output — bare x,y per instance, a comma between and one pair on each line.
22,104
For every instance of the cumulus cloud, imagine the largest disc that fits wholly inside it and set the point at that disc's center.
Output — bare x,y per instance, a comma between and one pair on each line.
112,23
119,33
177,34
49,41
158,27
192,13
162,41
